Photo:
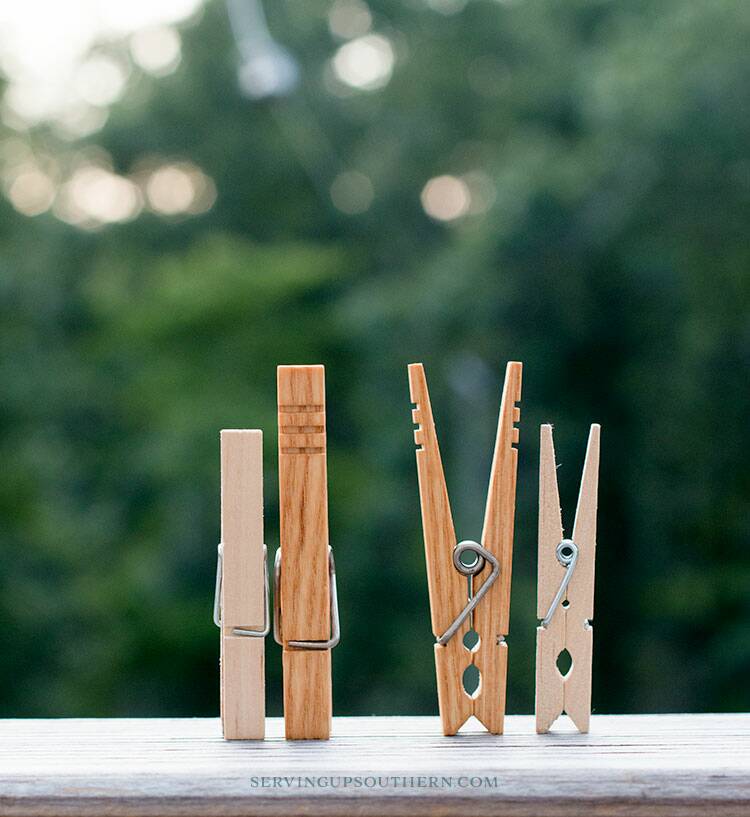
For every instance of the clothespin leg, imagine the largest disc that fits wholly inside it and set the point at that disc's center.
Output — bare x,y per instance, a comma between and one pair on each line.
446,586
550,696
454,704
579,633
307,716
577,686
550,685
492,616
489,704
243,688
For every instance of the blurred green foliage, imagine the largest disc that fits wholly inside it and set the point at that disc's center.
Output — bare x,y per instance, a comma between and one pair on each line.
614,262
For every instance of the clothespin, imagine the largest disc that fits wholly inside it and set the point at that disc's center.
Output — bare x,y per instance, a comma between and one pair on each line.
565,594
469,582
306,621
241,598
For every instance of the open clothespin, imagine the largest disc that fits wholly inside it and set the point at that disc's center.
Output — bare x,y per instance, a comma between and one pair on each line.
241,599
565,594
469,582
306,621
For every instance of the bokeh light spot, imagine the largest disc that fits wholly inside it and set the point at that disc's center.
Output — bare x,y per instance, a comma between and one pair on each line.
156,50
179,188
31,191
94,196
100,80
446,198
365,63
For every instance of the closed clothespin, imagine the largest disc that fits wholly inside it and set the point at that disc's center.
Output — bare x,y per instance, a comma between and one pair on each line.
306,620
469,582
565,594
241,598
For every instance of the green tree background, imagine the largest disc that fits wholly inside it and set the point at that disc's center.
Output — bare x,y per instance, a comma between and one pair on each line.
614,262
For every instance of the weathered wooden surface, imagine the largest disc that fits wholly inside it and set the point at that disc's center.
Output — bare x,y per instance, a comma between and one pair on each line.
627,766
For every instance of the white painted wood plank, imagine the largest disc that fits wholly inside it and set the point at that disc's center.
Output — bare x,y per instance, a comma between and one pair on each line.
627,765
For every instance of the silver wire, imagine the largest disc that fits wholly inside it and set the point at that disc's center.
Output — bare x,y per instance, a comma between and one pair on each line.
567,555
472,569
334,606
249,632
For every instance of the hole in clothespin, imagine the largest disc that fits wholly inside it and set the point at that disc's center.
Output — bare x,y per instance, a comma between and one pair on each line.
472,680
565,604
471,640
566,552
469,558
564,663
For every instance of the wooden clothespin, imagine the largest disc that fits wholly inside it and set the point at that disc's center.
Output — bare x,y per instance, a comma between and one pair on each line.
565,595
469,583
305,604
241,600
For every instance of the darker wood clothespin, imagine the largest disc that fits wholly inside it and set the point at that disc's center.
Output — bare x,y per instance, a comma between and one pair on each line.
241,600
565,594
469,582
305,603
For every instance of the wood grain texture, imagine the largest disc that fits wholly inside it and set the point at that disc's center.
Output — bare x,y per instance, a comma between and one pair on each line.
579,634
303,511
454,705
570,626
627,766
492,616
308,706
549,571
550,640
242,527
242,681
447,587
243,688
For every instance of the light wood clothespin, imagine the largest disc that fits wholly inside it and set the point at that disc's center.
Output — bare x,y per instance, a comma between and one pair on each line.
305,603
565,595
469,583
241,600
